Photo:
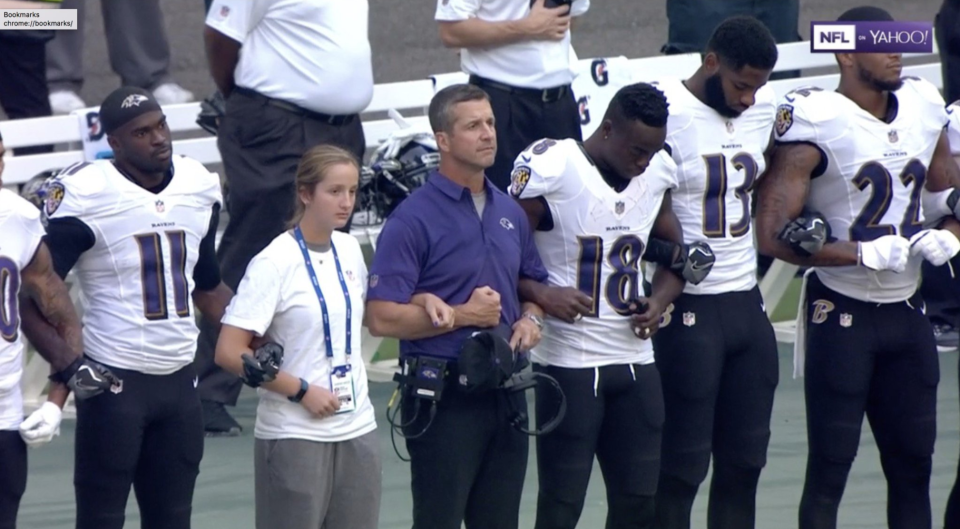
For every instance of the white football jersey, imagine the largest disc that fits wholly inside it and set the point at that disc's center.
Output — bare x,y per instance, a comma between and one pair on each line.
137,279
20,235
595,244
873,176
719,161
953,129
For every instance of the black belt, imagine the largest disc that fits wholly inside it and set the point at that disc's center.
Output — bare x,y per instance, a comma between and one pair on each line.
336,121
546,95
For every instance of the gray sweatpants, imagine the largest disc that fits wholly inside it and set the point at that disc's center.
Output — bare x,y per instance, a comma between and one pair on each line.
310,485
136,43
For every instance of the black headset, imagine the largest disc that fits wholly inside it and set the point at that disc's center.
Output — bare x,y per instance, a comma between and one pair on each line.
521,382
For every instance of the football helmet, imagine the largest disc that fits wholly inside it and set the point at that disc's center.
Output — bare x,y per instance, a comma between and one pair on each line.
398,167
34,190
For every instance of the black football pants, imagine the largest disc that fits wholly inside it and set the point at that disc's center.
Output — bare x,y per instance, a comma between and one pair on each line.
469,465
13,476
879,360
616,414
718,363
149,435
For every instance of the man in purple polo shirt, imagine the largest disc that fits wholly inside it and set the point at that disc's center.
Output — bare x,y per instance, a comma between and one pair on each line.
464,241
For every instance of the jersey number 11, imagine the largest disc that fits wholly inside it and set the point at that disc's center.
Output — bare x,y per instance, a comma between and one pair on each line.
153,277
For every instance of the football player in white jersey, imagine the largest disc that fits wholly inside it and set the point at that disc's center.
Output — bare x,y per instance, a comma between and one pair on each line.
26,272
139,231
870,160
593,214
717,352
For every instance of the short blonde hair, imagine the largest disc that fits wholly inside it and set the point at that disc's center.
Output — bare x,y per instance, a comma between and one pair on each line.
313,168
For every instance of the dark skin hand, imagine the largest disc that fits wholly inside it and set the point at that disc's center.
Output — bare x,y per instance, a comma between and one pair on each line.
223,54
666,284
564,303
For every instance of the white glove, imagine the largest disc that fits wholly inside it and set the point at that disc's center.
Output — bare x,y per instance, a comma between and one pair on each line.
398,139
936,246
890,252
42,425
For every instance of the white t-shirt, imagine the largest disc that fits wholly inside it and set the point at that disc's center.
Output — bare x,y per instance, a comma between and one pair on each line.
528,63
313,53
20,234
276,299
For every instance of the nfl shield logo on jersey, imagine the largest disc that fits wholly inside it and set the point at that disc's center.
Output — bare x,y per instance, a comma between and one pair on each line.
689,319
619,207
846,320
160,206
730,127
892,136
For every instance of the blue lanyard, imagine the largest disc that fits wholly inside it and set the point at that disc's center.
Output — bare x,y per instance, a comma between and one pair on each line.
328,341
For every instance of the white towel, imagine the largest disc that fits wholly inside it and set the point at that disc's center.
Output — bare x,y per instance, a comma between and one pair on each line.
800,340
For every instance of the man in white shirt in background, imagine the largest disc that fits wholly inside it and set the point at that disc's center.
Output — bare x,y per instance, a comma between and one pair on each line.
519,52
282,98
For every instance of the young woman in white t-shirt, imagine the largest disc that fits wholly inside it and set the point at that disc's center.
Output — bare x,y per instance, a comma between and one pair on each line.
317,456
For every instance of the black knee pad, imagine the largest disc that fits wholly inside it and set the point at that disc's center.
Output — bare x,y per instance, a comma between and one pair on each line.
630,512
689,468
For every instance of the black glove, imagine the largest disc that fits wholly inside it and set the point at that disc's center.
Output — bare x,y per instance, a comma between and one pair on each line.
87,378
807,234
211,110
263,366
695,262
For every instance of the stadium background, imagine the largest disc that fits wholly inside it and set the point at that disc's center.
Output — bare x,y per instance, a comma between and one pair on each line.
405,46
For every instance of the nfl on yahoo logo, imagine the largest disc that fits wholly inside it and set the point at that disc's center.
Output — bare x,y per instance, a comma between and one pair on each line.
871,37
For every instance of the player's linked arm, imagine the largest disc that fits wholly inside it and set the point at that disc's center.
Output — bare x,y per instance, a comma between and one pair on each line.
410,321
666,284
48,317
940,198
782,194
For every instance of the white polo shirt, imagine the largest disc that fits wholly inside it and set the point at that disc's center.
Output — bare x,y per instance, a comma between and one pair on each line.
527,64
276,299
313,53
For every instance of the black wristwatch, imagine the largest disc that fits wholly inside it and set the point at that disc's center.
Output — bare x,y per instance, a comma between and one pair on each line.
303,391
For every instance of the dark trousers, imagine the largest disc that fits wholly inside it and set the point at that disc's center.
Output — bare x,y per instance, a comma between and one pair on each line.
469,465
23,81
878,360
717,356
523,117
261,145
941,293
616,414
150,436
947,26
13,477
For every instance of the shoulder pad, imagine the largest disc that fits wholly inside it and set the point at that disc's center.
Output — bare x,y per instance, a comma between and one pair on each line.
925,89
207,183
74,190
809,114
539,167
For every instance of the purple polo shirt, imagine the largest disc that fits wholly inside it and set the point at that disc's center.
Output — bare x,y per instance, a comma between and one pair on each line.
435,242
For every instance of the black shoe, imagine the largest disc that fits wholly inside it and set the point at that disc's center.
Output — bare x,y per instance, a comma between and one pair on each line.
948,338
217,422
